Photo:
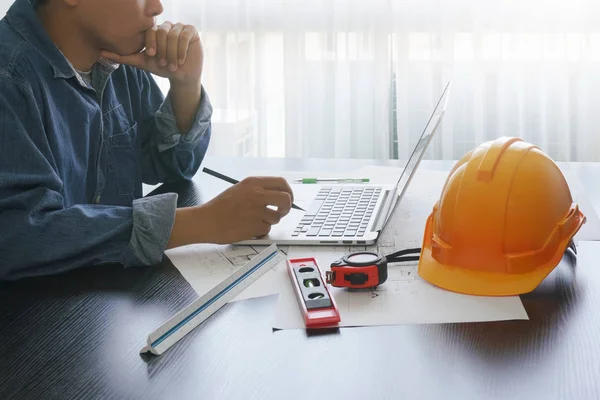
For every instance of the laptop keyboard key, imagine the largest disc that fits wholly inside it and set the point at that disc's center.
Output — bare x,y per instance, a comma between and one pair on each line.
313,231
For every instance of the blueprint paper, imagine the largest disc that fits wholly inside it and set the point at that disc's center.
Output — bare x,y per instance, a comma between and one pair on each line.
206,265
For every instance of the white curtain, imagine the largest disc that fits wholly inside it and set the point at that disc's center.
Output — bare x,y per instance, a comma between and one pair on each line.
358,79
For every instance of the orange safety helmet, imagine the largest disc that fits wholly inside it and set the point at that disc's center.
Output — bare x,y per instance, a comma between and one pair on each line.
503,221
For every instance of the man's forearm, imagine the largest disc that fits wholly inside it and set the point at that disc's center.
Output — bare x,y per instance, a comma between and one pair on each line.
185,99
192,225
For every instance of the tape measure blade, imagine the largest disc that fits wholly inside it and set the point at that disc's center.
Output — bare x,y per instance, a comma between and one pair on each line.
221,294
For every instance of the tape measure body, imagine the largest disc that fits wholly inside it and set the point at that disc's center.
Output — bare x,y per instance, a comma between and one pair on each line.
360,270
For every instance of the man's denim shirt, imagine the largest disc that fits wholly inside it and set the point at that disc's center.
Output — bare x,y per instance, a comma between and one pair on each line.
73,157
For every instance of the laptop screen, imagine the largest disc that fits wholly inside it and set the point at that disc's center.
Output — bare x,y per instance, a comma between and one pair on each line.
416,156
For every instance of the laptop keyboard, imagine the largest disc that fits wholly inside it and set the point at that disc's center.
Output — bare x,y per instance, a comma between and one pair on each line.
339,211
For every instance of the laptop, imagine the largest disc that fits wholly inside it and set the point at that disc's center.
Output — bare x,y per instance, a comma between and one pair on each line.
347,214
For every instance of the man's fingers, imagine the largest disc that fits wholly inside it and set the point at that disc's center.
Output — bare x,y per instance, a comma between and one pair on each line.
281,200
161,43
150,39
263,229
271,217
276,183
188,34
173,39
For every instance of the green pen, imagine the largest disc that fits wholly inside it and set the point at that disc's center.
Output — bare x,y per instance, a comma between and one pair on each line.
336,180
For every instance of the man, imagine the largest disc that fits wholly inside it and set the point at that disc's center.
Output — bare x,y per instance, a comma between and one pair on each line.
83,124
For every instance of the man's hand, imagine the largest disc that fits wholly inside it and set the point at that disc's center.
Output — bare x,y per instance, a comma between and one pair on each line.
173,51
239,213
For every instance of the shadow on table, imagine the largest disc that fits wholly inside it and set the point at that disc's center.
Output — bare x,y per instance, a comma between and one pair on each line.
139,284
109,277
549,308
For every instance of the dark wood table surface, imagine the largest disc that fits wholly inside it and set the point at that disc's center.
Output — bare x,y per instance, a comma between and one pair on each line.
78,335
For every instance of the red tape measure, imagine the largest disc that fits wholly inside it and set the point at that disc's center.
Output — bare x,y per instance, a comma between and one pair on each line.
365,269
358,270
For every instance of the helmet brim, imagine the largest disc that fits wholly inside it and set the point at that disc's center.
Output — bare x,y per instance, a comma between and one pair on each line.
483,283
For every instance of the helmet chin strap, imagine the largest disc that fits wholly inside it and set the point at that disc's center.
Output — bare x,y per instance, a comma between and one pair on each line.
401,256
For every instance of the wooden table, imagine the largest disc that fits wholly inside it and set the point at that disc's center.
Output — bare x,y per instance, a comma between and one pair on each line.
78,335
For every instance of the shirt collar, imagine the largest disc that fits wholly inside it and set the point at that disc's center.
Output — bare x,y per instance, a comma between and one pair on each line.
23,18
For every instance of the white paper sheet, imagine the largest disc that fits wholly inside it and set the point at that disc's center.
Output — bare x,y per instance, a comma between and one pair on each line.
204,266
404,298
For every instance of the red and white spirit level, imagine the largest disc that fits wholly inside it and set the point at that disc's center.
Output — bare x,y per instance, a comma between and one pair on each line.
318,307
